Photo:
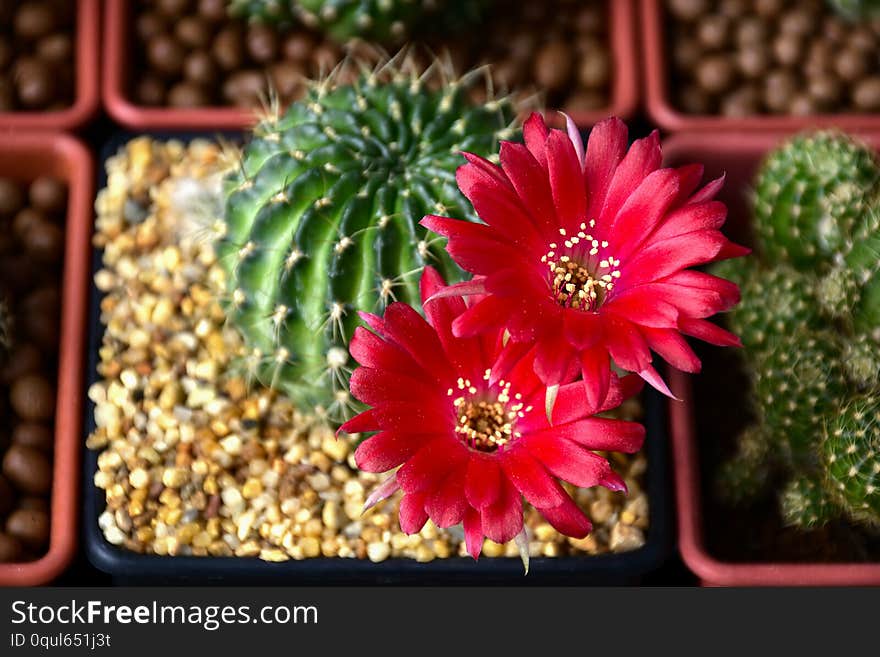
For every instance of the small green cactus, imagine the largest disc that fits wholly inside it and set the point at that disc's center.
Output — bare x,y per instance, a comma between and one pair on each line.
322,218
746,476
811,194
809,323
386,21
854,10
851,451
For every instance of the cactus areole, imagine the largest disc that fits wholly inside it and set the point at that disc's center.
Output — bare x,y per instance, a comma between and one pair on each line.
322,219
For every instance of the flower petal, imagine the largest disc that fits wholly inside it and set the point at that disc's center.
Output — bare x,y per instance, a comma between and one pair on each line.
530,181
412,514
535,135
708,332
566,459
643,210
369,350
606,147
554,361
598,433
373,387
504,519
479,318
446,506
568,519
672,348
482,484
473,532
388,449
428,468
643,157
361,422
566,180
530,478
596,372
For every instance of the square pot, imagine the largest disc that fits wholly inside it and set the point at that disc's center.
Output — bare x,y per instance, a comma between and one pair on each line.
662,111
127,567
117,71
87,70
25,157
740,156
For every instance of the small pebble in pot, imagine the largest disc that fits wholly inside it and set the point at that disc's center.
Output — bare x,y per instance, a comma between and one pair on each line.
187,94
165,55
28,470
44,241
850,64
687,53
193,32
595,69
35,84
228,49
150,90
7,497
34,502
148,25
245,88
48,194
802,104
824,89
35,435
32,398
262,43
213,10
10,548
688,10
288,79
25,359
866,94
55,48
694,100
779,87
199,67
11,197
30,526
34,20
172,8
297,46
713,31
715,73
751,31
752,62
742,102
787,49
553,65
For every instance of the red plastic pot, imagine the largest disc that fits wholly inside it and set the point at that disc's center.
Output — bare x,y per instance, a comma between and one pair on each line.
25,157
739,156
118,69
86,96
664,114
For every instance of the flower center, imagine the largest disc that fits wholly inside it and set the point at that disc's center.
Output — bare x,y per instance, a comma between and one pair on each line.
485,421
580,275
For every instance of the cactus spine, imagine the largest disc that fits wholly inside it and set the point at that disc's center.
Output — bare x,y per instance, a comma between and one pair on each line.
321,220
812,348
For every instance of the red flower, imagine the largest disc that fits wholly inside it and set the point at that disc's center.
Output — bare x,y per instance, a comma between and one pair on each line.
465,420
586,253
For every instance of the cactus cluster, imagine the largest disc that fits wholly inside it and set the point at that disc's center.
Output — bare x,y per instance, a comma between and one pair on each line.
809,323
385,21
856,9
322,217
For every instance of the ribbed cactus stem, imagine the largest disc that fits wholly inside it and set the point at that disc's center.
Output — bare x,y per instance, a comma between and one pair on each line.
804,503
745,476
322,218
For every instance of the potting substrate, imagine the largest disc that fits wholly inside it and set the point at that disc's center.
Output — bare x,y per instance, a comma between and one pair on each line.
278,295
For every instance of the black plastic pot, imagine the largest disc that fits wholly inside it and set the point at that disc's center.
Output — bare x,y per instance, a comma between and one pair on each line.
610,569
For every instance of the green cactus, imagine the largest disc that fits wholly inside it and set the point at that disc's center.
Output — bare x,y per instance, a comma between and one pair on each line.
322,219
758,323
745,476
811,195
386,21
796,387
854,10
804,503
851,451
810,325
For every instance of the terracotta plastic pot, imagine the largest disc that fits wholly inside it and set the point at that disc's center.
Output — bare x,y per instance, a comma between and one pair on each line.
739,156
87,94
118,69
664,114
25,157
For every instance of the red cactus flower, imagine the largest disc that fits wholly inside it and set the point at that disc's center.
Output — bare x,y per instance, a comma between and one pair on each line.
465,420
586,253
